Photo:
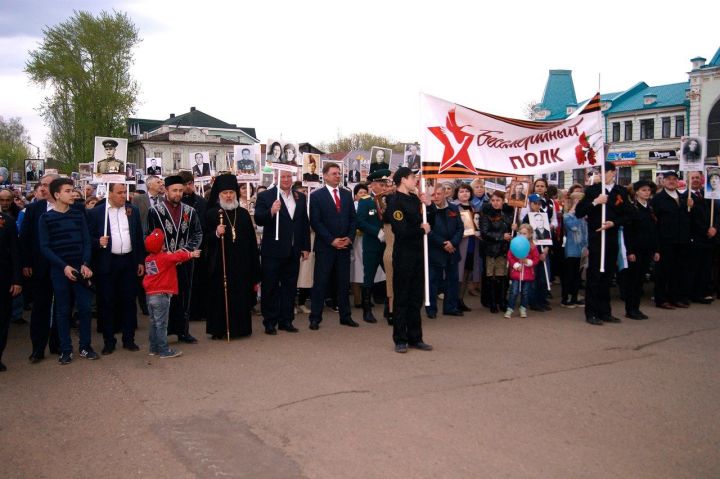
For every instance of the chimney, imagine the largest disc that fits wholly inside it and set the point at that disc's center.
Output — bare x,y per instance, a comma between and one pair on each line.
172,115
192,108
697,63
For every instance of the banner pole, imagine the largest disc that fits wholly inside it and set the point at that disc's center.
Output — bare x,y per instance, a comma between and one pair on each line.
602,180
107,208
426,266
277,215
712,212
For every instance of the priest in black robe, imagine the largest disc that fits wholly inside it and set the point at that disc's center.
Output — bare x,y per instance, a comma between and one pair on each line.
242,262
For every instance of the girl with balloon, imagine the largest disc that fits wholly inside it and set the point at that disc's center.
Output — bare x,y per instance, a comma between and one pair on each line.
522,258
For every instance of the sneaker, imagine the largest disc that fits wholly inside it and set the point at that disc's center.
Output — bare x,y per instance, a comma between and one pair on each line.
508,313
152,353
88,353
523,312
65,358
171,353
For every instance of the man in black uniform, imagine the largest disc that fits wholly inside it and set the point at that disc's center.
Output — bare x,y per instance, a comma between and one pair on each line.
404,212
617,206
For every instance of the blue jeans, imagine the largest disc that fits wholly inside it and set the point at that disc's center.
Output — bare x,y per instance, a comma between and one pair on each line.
515,290
447,277
159,309
64,290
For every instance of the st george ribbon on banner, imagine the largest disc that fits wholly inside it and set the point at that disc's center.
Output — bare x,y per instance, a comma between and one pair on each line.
461,142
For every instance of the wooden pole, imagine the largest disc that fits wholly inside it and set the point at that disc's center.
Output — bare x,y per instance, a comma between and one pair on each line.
222,247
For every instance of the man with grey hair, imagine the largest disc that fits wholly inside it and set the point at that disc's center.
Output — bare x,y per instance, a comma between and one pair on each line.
155,189
37,273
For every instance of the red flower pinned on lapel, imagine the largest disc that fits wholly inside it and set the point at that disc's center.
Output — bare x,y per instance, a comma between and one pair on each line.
186,217
452,214
2,222
618,200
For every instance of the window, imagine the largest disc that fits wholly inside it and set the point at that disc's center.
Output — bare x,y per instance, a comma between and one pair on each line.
578,176
158,154
666,127
679,126
628,131
647,129
624,177
616,131
645,175
213,161
177,161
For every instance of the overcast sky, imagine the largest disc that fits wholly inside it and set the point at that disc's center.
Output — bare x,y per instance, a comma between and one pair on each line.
308,70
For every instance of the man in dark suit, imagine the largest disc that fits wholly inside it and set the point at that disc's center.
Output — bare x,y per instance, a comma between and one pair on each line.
37,274
412,160
618,211
703,239
200,168
281,258
154,168
332,217
10,276
354,172
118,259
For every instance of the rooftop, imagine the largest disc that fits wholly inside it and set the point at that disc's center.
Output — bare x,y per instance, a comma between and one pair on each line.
559,93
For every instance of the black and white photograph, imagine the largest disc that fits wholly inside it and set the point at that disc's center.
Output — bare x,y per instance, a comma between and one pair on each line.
16,177
354,170
692,151
200,164
101,190
380,158
712,182
311,170
247,162
541,228
411,157
109,159
34,170
517,194
130,172
281,155
75,176
154,166
553,178
85,170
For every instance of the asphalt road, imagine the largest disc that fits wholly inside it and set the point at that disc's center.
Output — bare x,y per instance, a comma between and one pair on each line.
548,396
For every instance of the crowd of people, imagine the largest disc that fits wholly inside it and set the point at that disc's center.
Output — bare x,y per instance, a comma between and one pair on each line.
223,256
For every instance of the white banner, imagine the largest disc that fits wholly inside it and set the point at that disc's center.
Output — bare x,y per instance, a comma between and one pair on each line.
458,141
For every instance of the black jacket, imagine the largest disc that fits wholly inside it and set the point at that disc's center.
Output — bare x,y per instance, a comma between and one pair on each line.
294,235
640,231
700,222
673,219
618,209
493,226
102,256
404,213
9,251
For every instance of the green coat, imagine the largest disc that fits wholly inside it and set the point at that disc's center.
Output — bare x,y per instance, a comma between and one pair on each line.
370,223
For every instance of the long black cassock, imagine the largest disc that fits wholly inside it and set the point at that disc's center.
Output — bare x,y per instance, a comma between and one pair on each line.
242,264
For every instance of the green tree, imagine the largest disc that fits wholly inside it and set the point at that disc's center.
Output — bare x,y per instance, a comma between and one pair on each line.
85,63
13,143
360,141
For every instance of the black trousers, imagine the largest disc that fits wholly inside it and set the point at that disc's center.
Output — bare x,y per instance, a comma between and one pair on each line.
570,279
408,286
634,279
279,283
179,317
597,291
699,271
330,266
43,329
5,311
116,294
671,273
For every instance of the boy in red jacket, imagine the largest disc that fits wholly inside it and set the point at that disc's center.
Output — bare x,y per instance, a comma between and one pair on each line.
161,283
522,274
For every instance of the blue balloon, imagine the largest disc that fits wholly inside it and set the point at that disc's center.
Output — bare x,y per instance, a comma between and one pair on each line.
520,247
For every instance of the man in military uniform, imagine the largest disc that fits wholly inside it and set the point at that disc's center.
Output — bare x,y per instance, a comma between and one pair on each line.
110,164
373,239
404,212
245,165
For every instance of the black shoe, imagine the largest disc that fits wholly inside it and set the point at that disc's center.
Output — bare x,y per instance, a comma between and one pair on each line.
539,309
65,358
215,337
3,368
108,349
314,326
390,319
368,317
641,314
701,301
431,315
636,316
88,353
611,319
454,313
681,305
594,321
289,329
349,322
187,338
21,320
401,348
36,357
463,307
271,331
131,347
421,346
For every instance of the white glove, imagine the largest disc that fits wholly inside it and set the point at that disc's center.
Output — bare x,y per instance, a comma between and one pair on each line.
381,236
517,266
528,262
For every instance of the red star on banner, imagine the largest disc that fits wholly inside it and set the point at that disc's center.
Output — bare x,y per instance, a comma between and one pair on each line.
456,143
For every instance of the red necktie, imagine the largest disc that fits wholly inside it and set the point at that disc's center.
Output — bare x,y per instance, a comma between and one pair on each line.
337,200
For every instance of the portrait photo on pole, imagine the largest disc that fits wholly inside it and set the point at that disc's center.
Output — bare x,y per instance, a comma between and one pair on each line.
518,192
380,158
541,228
712,182
281,156
692,153
354,169
200,164
311,170
247,162
16,177
101,190
153,166
130,172
85,170
109,159
34,170
75,176
411,157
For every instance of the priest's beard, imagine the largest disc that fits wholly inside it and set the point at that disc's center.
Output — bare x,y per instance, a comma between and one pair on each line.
229,205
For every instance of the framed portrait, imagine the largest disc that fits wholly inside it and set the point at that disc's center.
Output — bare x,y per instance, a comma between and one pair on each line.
75,176
16,177
411,157
85,170
153,166
311,170
553,178
101,190
109,159
358,168
517,193
282,155
380,158
712,182
541,228
200,164
34,170
247,162
692,153
130,172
